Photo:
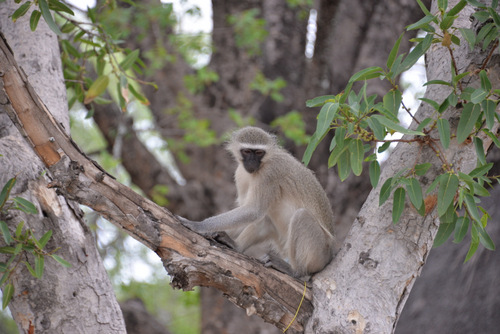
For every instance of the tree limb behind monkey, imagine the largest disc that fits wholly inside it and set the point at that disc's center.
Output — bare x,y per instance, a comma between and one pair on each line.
283,217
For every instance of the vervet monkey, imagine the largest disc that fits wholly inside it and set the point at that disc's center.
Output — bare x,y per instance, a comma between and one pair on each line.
283,215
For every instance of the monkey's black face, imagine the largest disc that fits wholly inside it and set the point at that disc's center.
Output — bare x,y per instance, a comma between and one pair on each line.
252,158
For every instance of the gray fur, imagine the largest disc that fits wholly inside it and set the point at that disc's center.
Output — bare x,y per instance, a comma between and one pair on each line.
282,209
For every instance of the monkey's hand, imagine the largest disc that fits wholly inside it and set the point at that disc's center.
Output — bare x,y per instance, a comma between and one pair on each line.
192,225
220,237
272,260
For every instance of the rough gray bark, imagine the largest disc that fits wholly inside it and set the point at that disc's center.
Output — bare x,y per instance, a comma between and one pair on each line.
368,283
75,300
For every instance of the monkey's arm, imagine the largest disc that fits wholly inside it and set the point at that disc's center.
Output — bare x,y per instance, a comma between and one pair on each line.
232,219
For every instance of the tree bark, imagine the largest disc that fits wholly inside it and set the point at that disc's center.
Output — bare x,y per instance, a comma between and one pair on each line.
79,299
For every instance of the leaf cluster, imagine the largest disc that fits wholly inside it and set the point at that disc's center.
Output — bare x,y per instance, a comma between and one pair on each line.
20,244
359,122
250,30
90,42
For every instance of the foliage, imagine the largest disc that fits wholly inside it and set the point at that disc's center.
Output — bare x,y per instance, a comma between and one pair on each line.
19,244
196,83
250,30
359,121
268,87
90,42
180,311
293,127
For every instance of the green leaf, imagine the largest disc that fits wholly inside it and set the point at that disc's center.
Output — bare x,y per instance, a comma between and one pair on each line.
481,170
44,239
61,260
129,60
423,124
21,11
472,207
356,156
478,95
7,250
340,137
461,228
418,51
398,204
19,229
377,128
484,237
394,53
385,191
18,248
470,36
47,15
492,137
5,232
4,194
476,3
448,186
325,117
8,292
30,269
97,88
485,81
479,190
442,4
495,16
337,152
443,233
437,82
366,74
424,21
34,19
415,192
478,144
473,246
457,8
444,132
139,96
468,119
374,170
392,101
344,165
25,206
319,101
313,143
60,7
39,265
384,147
432,103
421,169
423,8
450,216
396,127
489,108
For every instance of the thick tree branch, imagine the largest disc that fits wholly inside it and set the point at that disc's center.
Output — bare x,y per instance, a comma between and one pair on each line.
190,259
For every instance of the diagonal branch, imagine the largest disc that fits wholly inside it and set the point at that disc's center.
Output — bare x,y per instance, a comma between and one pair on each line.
190,259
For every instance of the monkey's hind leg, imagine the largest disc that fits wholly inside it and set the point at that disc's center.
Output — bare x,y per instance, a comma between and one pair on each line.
309,248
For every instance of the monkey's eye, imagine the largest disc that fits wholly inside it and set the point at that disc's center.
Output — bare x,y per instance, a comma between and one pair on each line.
259,153
246,151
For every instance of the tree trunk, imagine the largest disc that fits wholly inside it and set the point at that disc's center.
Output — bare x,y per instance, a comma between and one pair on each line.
75,300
